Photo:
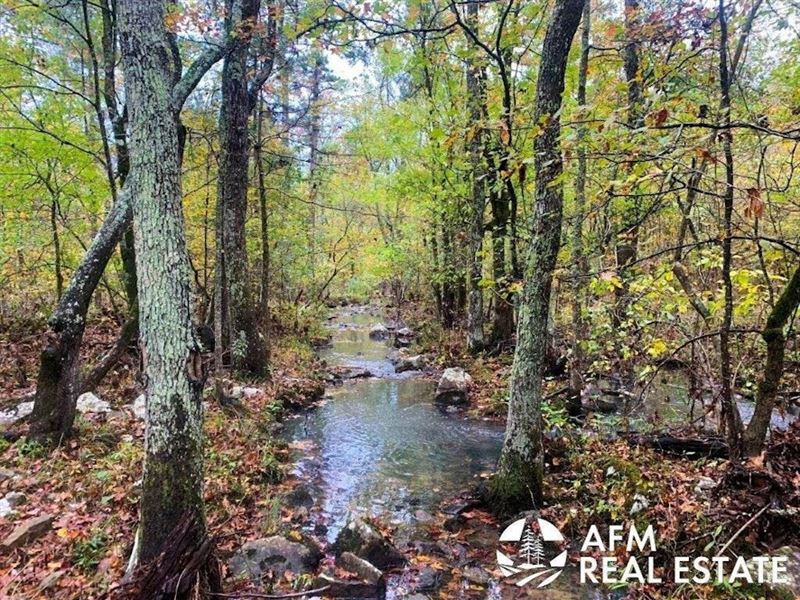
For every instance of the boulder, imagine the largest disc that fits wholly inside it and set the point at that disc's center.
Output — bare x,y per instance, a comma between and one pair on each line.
277,554
89,403
30,530
378,332
365,541
9,502
345,588
411,363
364,569
453,386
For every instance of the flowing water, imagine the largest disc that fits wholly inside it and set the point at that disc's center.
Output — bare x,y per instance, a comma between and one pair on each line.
380,446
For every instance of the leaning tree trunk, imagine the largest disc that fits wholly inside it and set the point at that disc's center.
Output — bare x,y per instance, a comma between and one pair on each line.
173,465
57,384
246,343
774,337
518,481
476,94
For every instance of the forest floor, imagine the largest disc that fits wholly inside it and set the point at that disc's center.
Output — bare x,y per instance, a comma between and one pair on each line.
90,485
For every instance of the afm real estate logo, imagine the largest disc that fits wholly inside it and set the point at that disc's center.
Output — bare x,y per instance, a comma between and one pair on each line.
539,556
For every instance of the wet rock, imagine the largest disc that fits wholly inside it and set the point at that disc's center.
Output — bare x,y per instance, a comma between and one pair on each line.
299,497
411,363
354,373
453,386
343,588
364,569
403,337
363,540
428,580
9,502
89,403
277,554
378,332
27,532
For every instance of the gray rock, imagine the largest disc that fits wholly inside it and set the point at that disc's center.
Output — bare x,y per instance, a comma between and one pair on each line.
378,332
363,540
277,554
453,386
411,363
704,485
475,575
89,403
27,532
6,474
139,407
364,569
428,580
790,589
342,588
9,502
23,409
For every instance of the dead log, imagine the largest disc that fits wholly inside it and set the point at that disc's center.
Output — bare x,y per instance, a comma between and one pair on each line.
692,448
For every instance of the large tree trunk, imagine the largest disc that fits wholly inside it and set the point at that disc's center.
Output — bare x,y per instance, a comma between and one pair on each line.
775,339
173,466
476,94
244,338
518,481
57,382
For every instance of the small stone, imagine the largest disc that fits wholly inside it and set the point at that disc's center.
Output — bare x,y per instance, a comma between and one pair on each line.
476,575
704,485
50,580
27,532
6,474
126,438
428,579
23,409
423,516
639,504
364,569
139,407
89,403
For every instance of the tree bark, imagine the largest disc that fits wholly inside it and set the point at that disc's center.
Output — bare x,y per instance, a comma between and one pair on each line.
233,288
775,339
173,465
518,481
476,101
580,267
56,385
730,413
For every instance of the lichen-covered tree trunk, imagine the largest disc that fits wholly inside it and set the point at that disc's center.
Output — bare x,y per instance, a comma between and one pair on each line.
173,474
517,484
775,339
476,94
57,383
244,339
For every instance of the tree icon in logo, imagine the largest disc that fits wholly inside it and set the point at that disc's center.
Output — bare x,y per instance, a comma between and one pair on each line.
533,564
531,548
